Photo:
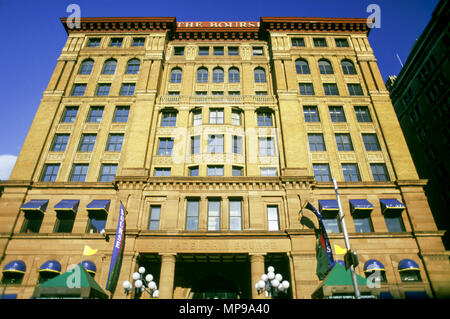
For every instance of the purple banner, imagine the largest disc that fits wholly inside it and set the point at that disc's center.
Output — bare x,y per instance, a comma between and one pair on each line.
116,258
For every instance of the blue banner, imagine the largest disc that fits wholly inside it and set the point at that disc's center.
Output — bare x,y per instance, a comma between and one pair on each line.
116,259
323,234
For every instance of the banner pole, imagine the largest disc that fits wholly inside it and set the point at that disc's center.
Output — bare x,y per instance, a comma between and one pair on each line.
347,241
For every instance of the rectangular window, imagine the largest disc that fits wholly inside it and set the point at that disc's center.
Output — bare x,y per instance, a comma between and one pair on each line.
169,119
322,172
363,114
379,172
138,42
121,114
197,118
371,142
261,93
215,170
95,114
331,223
87,142
233,51
215,144
362,223
203,51
195,144
320,42
264,118
115,141
311,113
107,172
237,144
216,116
78,89
59,143
178,51
298,42
306,88
236,117
116,42
266,146
216,93
268,171
330,89
214,214
236,171
351,173
93,42
316,142
162,171
337,114
235,214
49,173
79,172
127,89
193,171
272,218
341,43
165,146
354,89
103,89
394,222
258,51
32,223
192,210
344,142
174,93
70,114
97,222
218,51
64,222
234,93
155,216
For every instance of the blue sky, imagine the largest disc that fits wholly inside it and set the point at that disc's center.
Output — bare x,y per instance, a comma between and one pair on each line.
33,36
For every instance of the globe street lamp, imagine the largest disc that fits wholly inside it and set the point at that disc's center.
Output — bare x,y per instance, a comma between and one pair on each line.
272,283
142,284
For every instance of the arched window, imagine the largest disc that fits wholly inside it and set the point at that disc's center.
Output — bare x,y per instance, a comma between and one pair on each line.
325,67
302,67
260,75
372,268
348,67
409,271
202,75
13,273
175,75
218,75
233,75
110,66
133,66
86,66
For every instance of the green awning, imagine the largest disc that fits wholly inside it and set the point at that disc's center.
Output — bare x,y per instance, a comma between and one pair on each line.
75,283
338,276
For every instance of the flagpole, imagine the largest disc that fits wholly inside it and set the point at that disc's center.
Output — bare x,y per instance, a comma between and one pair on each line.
347,241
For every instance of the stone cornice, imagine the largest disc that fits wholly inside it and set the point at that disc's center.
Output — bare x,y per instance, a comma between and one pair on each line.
304,24
122,24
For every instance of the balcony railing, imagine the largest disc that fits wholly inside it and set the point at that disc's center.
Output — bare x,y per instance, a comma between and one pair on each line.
202,99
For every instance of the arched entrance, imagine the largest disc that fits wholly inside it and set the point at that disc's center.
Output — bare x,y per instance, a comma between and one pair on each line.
215,287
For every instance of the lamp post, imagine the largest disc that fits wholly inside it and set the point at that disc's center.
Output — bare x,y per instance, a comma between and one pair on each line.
142,284
272,283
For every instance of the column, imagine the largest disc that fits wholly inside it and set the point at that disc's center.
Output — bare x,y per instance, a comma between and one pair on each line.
257,270
167,275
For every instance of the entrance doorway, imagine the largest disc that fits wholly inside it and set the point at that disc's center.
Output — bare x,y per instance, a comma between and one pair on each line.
212,276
